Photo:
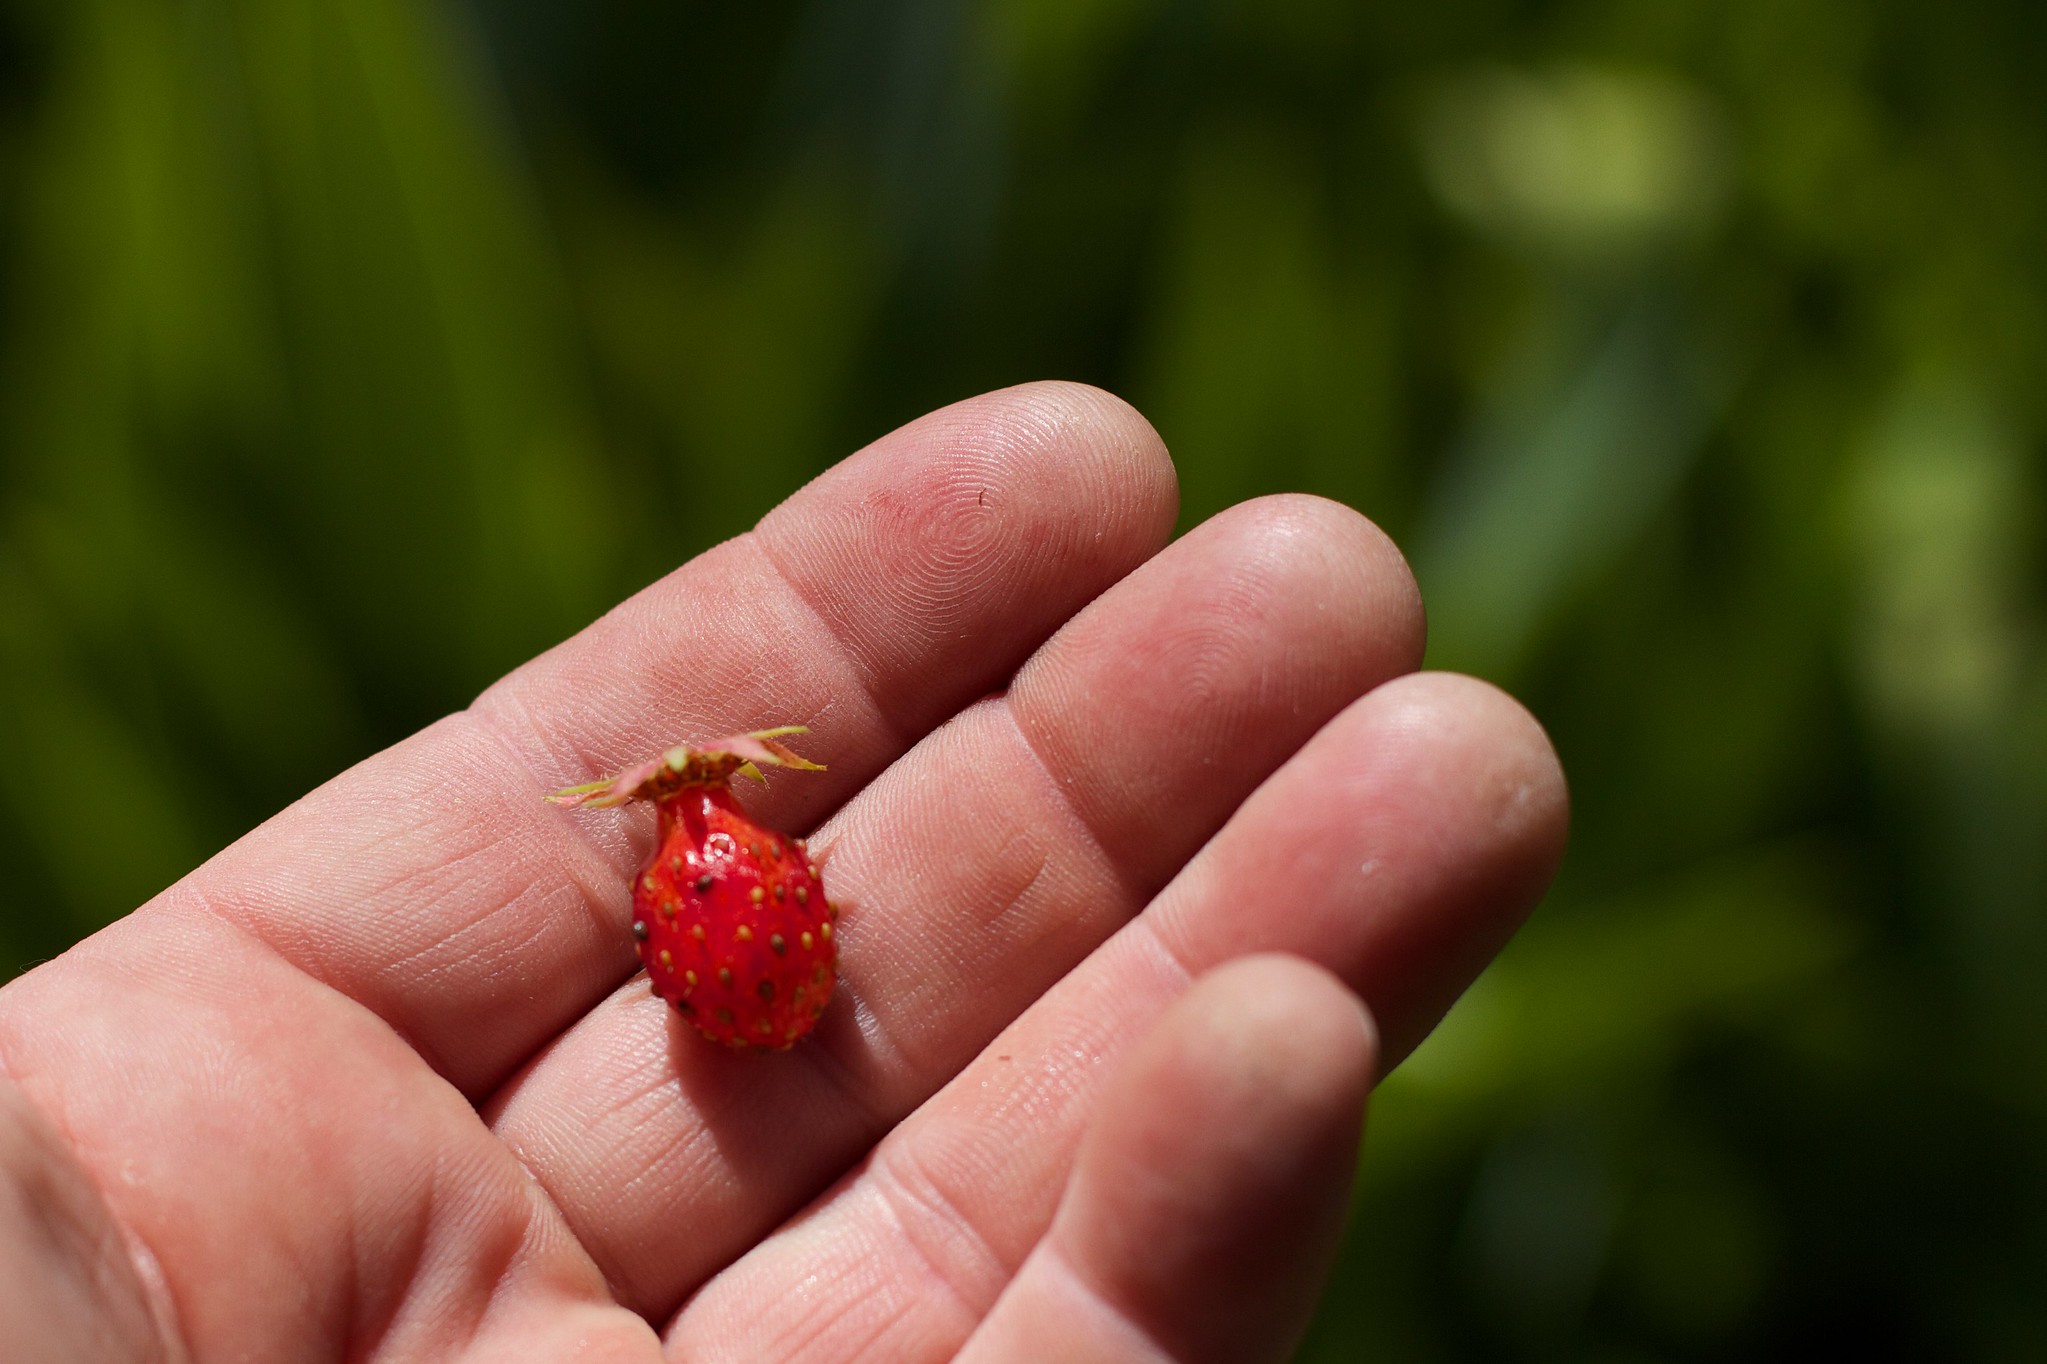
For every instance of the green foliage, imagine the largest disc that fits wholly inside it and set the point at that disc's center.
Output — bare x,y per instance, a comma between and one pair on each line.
354,351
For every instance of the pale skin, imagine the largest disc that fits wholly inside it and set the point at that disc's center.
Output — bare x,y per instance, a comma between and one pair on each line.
1153,858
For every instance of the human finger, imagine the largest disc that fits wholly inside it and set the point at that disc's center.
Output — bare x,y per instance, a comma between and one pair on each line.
68,1286
1208,1195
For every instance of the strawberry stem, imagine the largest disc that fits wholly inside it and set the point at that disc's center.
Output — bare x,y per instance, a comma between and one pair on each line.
683,766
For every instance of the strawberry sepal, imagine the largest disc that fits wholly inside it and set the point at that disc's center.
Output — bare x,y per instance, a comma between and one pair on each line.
685,765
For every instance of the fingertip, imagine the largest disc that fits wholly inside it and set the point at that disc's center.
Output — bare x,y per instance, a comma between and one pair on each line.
1501,755
950,548
1069,446
1209,1194
1130,447
1359,570
1472,812
1278,1027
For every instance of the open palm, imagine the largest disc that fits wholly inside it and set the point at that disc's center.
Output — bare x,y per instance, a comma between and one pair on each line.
381,1082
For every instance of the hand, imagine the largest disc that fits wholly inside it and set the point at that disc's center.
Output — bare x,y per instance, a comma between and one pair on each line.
380,1080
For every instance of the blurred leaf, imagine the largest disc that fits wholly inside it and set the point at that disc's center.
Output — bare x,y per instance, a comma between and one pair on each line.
1268,364
737,354
1607,995
1935,513
1587,161
100,807
1556,480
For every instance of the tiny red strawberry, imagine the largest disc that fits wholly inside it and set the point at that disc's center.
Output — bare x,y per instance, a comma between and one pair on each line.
731,918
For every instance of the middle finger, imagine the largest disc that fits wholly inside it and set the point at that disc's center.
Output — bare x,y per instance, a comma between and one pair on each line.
974,873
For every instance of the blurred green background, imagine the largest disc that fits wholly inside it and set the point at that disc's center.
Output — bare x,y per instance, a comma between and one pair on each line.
353,350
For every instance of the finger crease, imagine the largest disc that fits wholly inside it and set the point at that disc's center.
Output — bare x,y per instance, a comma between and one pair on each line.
917,1205
888,722
1131,894
1053,1259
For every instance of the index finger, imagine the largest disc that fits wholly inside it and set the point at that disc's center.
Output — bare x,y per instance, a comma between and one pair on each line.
432,885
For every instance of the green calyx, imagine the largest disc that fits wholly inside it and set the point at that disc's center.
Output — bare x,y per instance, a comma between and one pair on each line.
685,765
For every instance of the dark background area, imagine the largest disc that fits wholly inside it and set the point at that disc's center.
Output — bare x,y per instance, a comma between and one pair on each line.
353,350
